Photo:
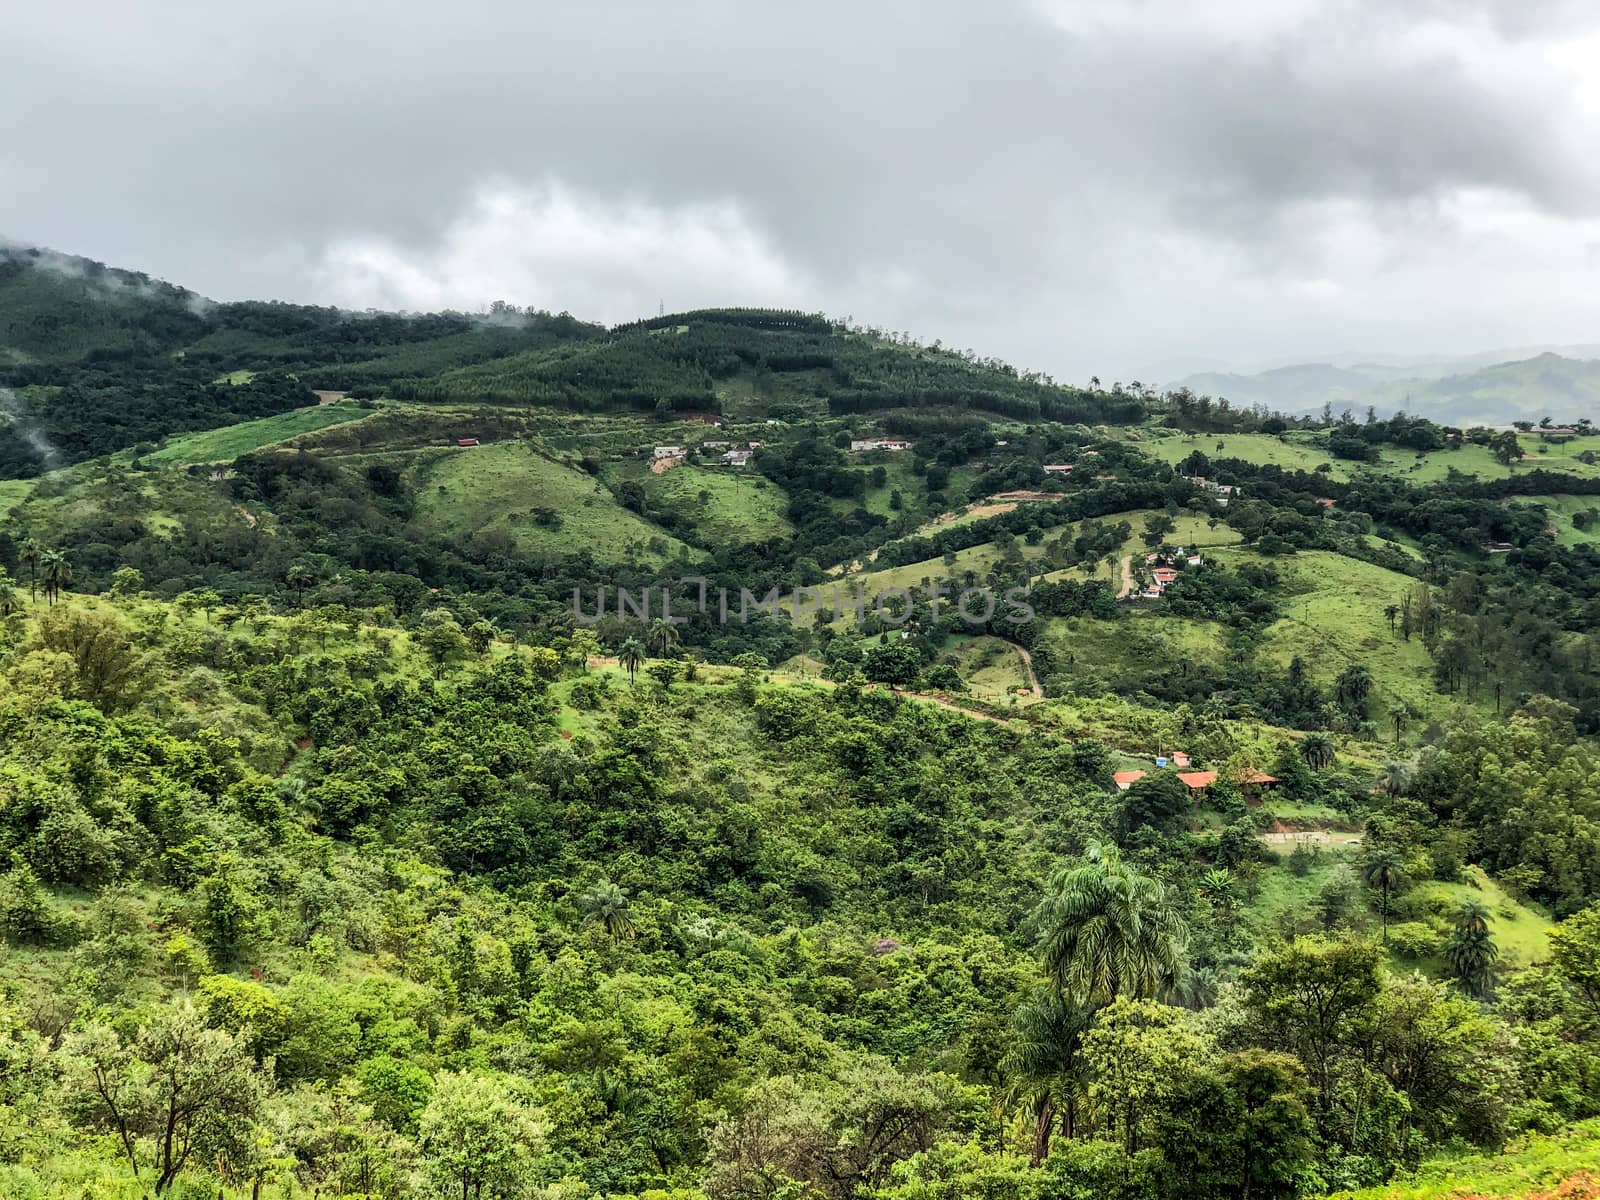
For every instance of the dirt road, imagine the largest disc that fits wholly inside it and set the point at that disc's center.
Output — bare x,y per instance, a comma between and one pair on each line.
1027,668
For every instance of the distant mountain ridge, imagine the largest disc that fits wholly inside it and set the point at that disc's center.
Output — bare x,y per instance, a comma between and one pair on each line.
1562,383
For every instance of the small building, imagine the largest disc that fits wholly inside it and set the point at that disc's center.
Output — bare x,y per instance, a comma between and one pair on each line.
1197,781
737,458
1165,576
715,445
1126,779
1498,547
860,445
1180,759
466,441
1326,502
1058,468
668,452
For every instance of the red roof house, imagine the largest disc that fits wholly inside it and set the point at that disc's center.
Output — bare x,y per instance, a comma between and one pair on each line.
1197,781
1126,779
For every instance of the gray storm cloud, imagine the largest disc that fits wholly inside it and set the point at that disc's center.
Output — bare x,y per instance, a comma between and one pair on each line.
1112,188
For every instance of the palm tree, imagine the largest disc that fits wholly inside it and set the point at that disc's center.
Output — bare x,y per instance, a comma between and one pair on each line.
663,636
1391,611
631,656
1394,779
1105,928
1216,885
1384,870
10,601
1398,714
28,555
1317,749
606,905
1353,686
300,579
57,574
1041,1067
1470,948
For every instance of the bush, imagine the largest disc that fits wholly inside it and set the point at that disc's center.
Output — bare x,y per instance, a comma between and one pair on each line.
1413,940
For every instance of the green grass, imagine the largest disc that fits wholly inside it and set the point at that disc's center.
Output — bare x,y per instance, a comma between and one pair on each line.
13,492
1189,530
1122,656
1561,510
1537,1163
1338,620
1519,931
726,507
990,666
1379,542
1293,451
899,477
231,441
236,377
1283,894
499,489
1307,451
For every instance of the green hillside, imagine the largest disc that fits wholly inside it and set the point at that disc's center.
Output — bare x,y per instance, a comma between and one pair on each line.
228,443
56,308
1552,1167
542,507
343,858
1308,451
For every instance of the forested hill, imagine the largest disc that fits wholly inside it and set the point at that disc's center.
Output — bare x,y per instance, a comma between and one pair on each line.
358,842
97,360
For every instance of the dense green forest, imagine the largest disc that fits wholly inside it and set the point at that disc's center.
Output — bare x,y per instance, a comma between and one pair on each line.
343,853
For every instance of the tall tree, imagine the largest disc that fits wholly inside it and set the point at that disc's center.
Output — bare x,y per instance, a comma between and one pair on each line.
631,656
57,574
663,635
1308,998
606,905
28,554
1106,929
178,1092
1043,1066
1317,749
1470,948
1384,870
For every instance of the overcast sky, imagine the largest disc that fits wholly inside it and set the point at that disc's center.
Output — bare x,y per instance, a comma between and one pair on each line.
1130,189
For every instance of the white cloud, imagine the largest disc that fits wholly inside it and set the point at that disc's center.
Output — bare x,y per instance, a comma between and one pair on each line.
552,246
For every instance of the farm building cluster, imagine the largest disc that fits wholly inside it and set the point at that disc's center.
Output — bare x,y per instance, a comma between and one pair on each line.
1162,567
1251,783
1223,492
861,445
724,454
